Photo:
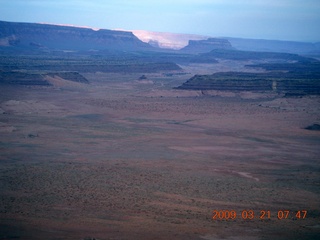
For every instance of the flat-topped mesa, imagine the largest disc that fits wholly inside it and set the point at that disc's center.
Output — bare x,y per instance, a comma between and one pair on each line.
290,83
203,46
33,35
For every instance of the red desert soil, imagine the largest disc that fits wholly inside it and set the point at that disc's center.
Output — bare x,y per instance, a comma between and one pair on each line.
116,160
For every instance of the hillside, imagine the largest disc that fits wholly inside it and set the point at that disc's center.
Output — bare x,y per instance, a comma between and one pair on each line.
45,36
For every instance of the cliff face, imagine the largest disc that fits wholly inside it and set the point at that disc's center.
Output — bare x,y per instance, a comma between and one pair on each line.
203,46
32,35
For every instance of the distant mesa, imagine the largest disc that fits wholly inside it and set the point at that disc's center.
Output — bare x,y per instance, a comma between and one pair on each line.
295,79
203,46
30,35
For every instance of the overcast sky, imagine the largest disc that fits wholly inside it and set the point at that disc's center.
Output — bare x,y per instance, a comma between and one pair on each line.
263,19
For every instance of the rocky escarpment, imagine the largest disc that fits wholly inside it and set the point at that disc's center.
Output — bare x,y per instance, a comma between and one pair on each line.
202,46
46,36
236,81
306,80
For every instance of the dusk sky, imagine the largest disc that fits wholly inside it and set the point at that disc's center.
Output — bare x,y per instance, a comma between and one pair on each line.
264,19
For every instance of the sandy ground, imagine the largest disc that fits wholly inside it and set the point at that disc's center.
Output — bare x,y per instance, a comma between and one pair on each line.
127,159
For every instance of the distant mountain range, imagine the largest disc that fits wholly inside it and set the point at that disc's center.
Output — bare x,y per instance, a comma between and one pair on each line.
32,36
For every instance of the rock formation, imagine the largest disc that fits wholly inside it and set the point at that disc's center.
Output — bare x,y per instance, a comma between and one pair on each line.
32,35
203,46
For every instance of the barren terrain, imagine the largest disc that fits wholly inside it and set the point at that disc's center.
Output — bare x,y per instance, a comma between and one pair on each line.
122,158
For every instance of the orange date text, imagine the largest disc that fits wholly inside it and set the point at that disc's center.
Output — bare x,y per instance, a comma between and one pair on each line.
249,214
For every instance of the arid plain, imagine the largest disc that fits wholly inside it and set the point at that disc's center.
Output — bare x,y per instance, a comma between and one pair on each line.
125,158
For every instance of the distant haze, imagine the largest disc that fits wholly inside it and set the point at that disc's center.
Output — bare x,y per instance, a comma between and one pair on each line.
167,40
297,20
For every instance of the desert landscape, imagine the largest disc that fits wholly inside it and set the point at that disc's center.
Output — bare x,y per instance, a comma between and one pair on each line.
115,146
